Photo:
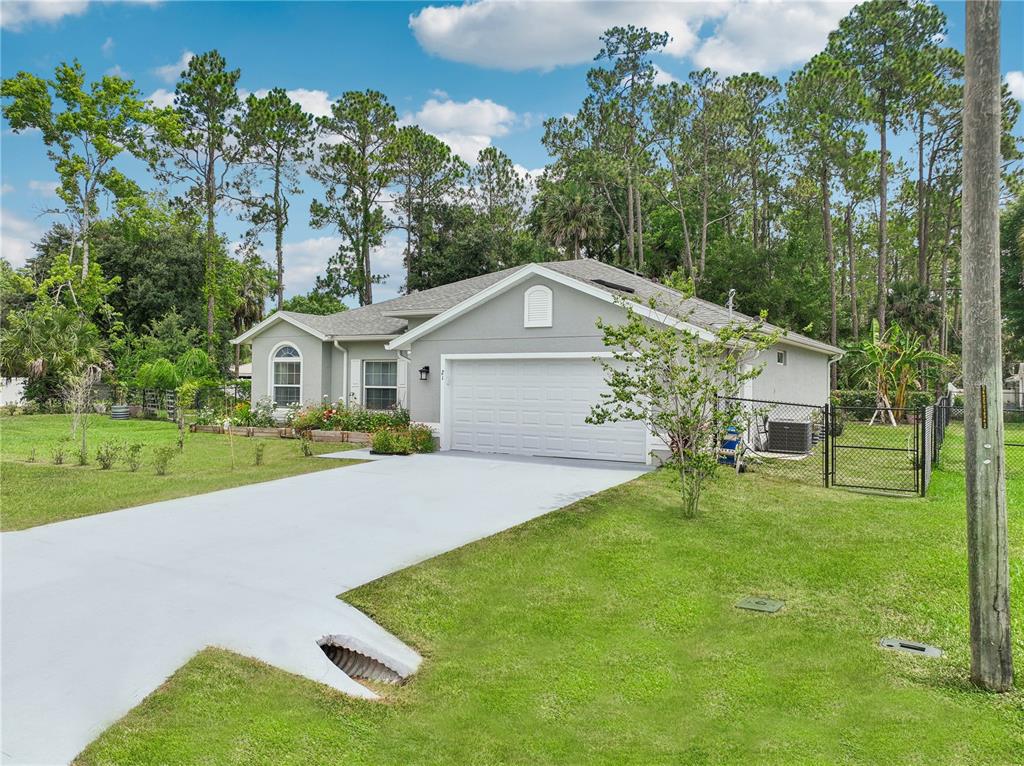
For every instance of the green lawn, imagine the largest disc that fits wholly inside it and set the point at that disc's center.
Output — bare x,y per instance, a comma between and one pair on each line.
606,633
39,492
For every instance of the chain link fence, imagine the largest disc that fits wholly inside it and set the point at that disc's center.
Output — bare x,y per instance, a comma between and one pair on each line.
948,448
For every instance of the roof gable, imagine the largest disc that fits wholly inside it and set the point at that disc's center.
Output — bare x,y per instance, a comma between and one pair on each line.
520,275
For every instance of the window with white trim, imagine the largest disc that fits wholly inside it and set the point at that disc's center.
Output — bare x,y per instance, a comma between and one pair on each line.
380,384
537,307
287,376
780,357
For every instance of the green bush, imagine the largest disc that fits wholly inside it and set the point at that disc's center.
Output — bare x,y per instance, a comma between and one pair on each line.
60,452
194,365
330,417
82,456
133,456
257,454
390,441
11,408
422,438
29,407
108,453
305,444
162,457
160,374
259,416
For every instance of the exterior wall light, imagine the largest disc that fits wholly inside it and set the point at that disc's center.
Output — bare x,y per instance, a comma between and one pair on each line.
424,372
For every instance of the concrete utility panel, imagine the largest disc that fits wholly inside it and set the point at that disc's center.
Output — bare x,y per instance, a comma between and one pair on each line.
98,611
758,604
910,647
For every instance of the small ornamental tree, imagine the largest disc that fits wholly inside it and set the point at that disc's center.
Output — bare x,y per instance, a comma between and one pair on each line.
671,377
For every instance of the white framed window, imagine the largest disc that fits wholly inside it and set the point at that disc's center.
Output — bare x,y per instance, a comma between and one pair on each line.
380,384
537,307
285,375
780,357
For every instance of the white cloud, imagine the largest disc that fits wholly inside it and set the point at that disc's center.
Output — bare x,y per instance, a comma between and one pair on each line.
768,35
108,47
6,188
661,77
162,97
306,259
1015,81
745,35
314,102
16,237
521,34
15,16
116,71
466,126
170,73
43,187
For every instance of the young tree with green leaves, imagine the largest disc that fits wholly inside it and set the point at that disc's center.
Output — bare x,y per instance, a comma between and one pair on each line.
85,129
672,378
197,141
275,140
356,166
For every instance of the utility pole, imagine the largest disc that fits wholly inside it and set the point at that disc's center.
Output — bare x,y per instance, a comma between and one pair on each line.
987,546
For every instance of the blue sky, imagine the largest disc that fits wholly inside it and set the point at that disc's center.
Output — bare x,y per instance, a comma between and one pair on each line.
477,74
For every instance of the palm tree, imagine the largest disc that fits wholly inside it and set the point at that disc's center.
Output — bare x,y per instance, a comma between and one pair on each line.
891,361
254,286
569,214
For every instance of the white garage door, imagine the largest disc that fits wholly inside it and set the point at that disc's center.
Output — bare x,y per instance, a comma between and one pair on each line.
535,407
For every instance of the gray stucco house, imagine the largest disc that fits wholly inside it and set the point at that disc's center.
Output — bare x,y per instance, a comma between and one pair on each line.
503,362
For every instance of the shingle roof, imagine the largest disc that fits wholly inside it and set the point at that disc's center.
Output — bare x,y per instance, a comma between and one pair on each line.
372,320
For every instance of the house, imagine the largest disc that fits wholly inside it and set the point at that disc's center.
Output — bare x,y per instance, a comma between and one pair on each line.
503,362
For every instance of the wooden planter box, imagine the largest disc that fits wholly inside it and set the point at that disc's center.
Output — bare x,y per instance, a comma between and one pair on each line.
206,429
354,437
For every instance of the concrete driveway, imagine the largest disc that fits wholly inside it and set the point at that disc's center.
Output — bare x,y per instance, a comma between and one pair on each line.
99,611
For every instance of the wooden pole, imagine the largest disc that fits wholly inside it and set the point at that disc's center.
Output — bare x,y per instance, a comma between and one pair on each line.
987,547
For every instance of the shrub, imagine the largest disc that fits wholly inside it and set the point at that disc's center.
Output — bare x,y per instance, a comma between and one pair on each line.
208,416
422,438
82,456
160,374
32,455
305,444
60,452
259,416
11,408
162,457
133,456
108,453
390,441
257,455
194,365
337,417
29,407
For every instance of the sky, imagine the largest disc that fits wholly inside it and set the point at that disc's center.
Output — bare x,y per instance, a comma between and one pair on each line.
475,74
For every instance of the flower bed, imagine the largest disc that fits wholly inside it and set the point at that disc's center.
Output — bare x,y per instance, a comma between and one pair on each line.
337,417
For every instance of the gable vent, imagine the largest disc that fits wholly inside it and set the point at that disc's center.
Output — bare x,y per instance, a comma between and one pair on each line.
537,307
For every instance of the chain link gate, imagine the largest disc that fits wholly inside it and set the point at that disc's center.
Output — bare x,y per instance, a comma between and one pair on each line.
880,448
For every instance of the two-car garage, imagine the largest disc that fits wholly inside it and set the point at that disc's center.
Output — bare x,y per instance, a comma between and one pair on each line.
533,405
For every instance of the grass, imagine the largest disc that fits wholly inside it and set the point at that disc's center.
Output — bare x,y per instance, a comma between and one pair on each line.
39,492
606,633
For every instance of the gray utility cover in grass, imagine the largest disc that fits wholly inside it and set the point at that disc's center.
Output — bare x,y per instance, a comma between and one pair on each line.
98,611
910,647
758,604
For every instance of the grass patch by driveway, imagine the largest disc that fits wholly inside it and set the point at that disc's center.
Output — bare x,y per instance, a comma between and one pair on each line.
39,492
606,633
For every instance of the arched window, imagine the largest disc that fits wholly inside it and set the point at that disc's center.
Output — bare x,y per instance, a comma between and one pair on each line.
537,307
286,376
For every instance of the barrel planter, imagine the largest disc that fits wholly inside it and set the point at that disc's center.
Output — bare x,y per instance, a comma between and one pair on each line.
120,412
